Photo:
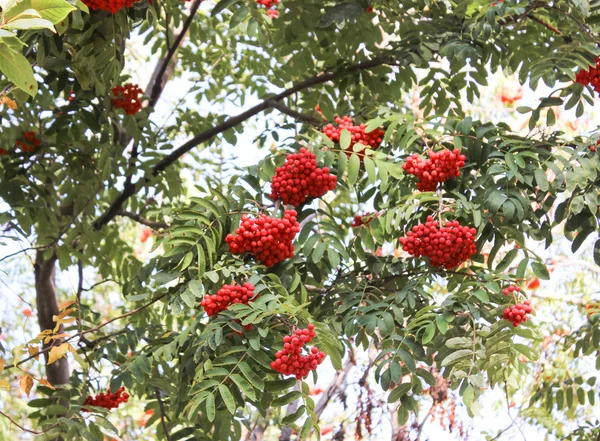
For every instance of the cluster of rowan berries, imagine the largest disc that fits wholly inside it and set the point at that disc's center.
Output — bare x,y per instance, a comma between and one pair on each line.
510,289
300,178
271,6
29,142
268,239
291,361
226,296
446,247
358,135
107,400
127,98
3,152
593,146
112,6
365,219
439,167
590,77
517,314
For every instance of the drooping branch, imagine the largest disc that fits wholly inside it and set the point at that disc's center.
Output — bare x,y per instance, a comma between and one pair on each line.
129,189
163,416
159,79
140,220
295,114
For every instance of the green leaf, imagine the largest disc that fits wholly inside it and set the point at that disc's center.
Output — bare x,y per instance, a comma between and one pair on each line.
252,377
222,5
244,386
540,270
353,169
210,407
429,333
289,419
306,428
455,356
459,342
345,139
17,69
541,179
227,398
398,392
286,399
30,23
597,252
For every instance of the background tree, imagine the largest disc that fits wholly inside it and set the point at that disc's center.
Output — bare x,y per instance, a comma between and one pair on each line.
83,160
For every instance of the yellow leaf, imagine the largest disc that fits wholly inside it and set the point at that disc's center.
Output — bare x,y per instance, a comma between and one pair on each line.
62,315
9,103
58,352
26,384
65,305
47,384
1,364
33,352
4,384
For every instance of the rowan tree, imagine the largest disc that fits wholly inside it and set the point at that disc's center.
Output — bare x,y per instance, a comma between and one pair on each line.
244,298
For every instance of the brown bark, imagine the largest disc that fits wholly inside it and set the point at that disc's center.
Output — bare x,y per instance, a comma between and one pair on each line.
47,308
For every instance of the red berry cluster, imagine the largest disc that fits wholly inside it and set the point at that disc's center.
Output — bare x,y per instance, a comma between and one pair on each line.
29,142
439,167
127,98
372,139
271,6
593,146
268,239
517,314
3,152
590,77
227,295
446,247
291,361
112,6
510,289
300,178
365,219
107,400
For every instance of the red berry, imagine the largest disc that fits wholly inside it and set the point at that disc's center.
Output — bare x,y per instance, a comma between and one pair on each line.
517,314
291,360
268,239
107,400
112,6
372,139
446,247
29,142
365,219
127,98
300,178
590,77
227,295
271,6
439,167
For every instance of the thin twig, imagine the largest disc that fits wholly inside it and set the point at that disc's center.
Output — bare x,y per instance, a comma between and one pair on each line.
140,220
163,416
543,23
88,331
295,114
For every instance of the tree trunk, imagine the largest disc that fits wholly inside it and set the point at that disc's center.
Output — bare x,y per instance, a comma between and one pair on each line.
47,308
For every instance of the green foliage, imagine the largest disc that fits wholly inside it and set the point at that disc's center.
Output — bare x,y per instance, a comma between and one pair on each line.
213,376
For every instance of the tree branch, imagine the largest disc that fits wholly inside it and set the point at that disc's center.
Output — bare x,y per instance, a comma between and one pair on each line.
162,414
157,81
543,23
140,220
295,114
129,189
